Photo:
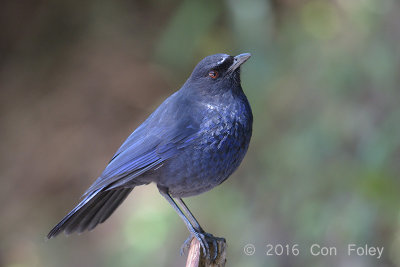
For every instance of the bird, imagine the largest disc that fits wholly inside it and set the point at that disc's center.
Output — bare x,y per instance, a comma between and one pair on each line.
191,143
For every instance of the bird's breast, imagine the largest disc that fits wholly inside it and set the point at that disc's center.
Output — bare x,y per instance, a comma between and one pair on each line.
219,149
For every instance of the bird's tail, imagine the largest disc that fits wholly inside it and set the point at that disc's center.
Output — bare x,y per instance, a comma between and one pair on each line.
92,210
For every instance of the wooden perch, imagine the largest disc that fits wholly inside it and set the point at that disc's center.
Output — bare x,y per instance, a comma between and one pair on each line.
196,257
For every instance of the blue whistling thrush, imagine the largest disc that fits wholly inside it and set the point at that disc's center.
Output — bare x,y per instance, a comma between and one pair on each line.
191,143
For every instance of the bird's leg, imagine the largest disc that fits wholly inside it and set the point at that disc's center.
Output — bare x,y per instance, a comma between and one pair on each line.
195,223
194,232
209,237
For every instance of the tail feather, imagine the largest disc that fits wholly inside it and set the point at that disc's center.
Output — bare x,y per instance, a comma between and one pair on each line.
82,214
91,211
82,225
105,209
108,210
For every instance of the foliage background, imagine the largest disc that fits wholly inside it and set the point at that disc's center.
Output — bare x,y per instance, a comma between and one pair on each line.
76,77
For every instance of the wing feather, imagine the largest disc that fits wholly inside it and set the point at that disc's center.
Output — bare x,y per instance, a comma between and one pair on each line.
169,129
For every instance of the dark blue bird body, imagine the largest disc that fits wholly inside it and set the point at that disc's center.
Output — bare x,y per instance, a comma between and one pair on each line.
214,151
191,143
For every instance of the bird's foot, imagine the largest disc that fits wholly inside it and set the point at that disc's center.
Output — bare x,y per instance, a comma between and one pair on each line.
207,242
186,245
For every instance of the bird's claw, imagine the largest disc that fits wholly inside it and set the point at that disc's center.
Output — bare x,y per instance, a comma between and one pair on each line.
203,243
204,239
214,240
185,246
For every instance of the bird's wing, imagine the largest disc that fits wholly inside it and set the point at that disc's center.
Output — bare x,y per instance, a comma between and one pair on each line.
144,150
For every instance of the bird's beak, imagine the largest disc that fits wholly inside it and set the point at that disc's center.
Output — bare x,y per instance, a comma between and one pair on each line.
239,60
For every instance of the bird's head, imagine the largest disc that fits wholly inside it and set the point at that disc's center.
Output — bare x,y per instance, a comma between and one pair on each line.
218,72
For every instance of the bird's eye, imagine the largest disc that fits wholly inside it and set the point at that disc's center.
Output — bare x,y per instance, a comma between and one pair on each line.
213,74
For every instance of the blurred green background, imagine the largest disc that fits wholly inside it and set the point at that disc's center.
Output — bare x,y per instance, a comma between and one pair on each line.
76,77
